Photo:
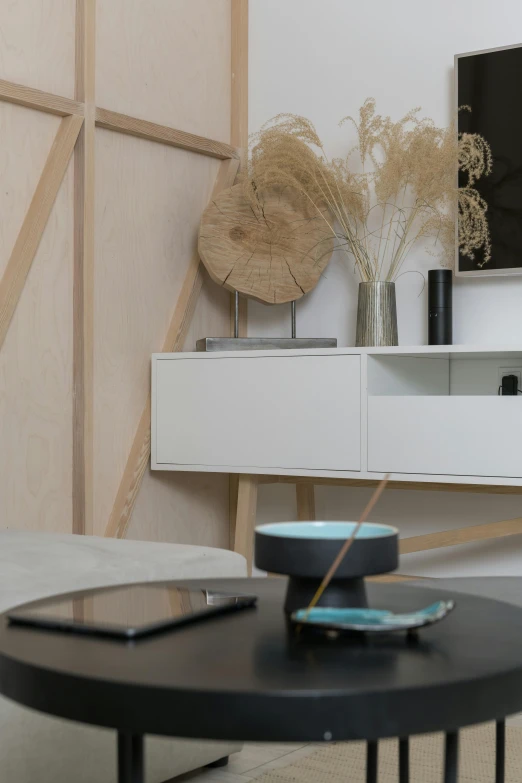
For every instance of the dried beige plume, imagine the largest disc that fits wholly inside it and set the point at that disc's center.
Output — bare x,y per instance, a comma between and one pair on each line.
396,186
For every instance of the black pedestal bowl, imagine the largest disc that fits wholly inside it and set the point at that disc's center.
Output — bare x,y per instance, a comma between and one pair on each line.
304,551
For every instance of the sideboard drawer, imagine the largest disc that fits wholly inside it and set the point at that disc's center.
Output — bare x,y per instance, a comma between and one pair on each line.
297,412
445,435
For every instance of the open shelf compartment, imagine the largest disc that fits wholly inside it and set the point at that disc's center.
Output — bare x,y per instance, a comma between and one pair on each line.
442,415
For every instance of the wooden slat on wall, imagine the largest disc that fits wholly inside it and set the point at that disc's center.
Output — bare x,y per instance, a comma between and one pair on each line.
30,234
239,86
239,138
83,281
122,123
239,117
36,99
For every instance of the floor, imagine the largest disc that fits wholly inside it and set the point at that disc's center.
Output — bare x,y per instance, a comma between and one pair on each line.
256,758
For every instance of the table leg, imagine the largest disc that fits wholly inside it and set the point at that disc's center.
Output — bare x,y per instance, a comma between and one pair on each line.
451,757
500,757
130,758
372,761
404,760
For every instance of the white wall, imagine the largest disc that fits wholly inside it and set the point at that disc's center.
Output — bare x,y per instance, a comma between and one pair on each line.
322,58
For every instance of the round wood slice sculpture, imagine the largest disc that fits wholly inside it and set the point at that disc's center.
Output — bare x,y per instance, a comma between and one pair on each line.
274,253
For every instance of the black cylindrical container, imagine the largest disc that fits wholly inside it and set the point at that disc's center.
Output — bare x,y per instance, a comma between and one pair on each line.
440,307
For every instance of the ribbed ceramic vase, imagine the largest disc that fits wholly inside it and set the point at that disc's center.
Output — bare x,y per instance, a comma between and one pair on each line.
376,315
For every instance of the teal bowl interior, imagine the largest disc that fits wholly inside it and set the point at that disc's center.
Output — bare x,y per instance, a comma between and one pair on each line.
331,531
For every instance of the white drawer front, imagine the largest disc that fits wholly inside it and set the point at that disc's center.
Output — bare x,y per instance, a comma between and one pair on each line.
268,412
466,436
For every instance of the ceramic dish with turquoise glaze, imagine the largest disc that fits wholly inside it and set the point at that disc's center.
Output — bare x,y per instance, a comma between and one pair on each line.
304,551
371,620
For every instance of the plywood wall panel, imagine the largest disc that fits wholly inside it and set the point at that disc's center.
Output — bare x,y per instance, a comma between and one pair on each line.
37,44
149,199
190,508
167,61
36,386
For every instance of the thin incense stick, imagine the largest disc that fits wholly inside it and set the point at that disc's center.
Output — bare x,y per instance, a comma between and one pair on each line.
347,544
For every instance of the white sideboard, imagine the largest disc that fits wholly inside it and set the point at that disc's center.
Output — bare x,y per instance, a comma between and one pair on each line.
428,413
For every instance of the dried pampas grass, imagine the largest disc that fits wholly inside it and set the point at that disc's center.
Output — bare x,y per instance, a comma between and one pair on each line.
396,186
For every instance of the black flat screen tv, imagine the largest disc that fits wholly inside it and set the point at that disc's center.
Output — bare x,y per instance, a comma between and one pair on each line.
490,82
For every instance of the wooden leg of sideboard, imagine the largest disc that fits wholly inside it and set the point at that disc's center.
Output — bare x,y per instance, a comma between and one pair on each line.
246,517
305,495
233,481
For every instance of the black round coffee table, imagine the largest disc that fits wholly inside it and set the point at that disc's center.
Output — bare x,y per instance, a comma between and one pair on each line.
244,677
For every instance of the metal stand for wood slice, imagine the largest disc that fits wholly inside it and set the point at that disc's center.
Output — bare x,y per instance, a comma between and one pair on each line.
237,343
